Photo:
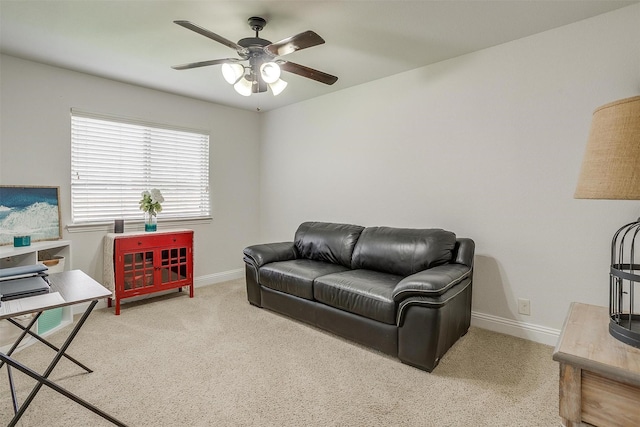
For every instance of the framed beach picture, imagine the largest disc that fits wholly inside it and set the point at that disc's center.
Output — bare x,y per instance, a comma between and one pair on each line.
29,211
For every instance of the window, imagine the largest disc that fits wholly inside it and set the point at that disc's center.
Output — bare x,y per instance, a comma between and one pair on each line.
114,160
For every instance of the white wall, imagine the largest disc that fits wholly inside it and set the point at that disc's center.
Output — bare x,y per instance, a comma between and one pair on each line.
35,137
488,145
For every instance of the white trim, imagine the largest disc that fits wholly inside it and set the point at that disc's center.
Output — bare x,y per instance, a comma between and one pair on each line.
516,328
198,282
136,225
225,276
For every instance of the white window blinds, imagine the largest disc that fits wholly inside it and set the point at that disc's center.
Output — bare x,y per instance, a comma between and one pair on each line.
114,160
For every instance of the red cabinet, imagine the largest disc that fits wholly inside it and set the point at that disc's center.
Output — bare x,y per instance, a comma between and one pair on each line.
152,262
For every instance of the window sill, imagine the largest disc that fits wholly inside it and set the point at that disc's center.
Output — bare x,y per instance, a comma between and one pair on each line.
132,225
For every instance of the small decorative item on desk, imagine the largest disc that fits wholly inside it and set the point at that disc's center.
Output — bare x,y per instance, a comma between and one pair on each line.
118,226
19,241
150,204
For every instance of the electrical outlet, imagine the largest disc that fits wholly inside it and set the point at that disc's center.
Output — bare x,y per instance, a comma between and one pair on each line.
524,306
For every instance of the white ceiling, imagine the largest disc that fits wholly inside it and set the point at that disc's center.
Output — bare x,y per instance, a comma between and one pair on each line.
137,42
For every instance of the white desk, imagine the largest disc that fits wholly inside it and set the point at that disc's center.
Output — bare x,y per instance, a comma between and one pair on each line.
73,287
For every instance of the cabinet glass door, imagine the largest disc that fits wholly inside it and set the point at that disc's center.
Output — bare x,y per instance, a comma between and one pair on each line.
138,270
173,266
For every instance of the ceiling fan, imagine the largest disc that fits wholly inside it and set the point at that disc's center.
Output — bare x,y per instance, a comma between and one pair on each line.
263,70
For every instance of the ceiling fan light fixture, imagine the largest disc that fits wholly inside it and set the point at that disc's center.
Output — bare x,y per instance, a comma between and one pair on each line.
232,72
270,72
264,68
278,86
243,86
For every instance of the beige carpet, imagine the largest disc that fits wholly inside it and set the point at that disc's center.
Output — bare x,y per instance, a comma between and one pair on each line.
214,360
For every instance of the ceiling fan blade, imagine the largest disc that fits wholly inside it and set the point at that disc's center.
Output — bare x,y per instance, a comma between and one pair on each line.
307,72
213,36
294,43
206,63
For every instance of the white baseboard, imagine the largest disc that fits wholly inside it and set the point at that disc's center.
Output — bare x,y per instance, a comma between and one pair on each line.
528,331
206,280
225,276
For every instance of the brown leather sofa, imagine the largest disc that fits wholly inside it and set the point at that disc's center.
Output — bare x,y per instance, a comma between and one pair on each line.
404,292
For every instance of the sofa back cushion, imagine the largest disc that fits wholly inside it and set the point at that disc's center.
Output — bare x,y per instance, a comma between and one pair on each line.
402,251
328,242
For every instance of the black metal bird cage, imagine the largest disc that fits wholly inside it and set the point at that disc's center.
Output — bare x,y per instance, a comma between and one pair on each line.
624,284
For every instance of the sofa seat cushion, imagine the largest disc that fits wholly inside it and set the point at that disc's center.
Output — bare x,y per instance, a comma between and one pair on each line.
364,292
295,277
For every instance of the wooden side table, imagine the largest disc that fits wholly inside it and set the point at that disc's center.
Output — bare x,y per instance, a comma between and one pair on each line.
599,375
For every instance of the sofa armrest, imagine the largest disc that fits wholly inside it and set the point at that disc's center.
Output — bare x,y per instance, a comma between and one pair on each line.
260,255
432,282
464,251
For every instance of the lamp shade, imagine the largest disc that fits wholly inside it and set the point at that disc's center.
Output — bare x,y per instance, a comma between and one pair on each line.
270,72
278,86
232,72
611,164
243,87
